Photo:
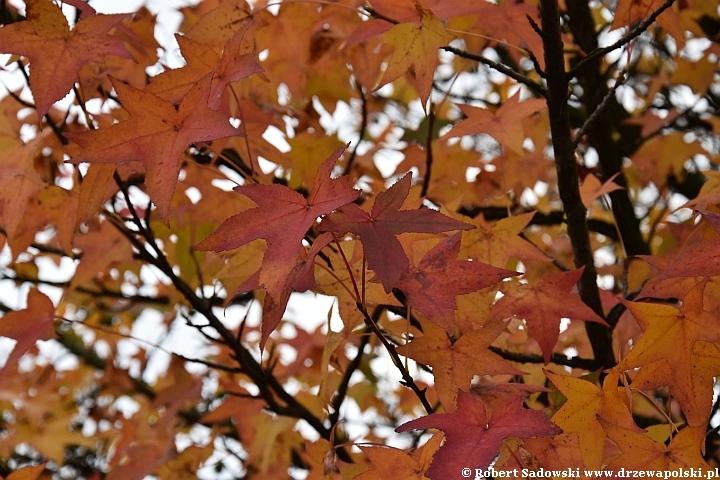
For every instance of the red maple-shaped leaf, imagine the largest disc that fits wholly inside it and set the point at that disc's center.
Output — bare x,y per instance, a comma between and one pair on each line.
543,305
472,440
57,53
701,260
282,218
300,279
156,134
377,229
202,59
433,284
27,326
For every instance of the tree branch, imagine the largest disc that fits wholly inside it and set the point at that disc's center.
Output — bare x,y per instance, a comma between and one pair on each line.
556,358
630,36
428,152
363,128
504,69
407,379
557,80
270,388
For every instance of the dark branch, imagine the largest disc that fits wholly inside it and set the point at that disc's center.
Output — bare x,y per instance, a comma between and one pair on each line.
556,358
504,69
428,152
629,37
568,184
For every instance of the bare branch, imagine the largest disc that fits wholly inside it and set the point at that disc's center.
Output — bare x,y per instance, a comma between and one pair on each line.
630,36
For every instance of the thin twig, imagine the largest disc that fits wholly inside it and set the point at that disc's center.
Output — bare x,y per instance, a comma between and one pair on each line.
407,379
428,152
556,358
504,69
342,389
629,37
363,127
598,110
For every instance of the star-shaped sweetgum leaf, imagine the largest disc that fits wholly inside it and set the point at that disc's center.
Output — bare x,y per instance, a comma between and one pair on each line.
640,452
377,230
301,279
473,440
57,53
282,218
431,286
454,364
27,326
395,464
416,45
497,242
586,402
202,59
543,305
156,134
671,336
505,125
701,260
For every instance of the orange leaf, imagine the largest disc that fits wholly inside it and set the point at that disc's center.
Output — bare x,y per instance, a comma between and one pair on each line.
497,242
56,53
505,125
156,134
543,305
395,464
27,326
640,452
456,363
586,402
591,188
27,473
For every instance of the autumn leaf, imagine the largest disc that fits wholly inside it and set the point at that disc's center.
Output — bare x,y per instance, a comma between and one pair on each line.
27,473
664,155
473,440
319,399
282,218
497,242
586,403
377,230
671,335
543,305
156,134
642,453
26,326
592,189
55,52
100,249
504,125
173,85
701,260
416,45
455,363
630,11
395,464
202,59
433,284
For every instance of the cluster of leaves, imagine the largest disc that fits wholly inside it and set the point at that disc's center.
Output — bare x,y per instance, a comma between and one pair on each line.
491,198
